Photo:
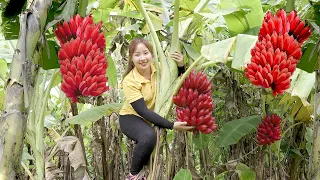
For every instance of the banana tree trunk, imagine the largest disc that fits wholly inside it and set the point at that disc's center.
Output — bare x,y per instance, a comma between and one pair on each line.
19,89
315,156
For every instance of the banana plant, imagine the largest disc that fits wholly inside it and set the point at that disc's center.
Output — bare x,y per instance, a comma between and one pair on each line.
19,89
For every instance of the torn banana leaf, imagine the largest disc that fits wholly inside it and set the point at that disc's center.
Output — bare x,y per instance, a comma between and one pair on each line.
301,110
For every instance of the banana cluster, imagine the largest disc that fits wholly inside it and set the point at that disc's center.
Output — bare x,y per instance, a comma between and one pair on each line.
194,103
277,52
82,60
269,130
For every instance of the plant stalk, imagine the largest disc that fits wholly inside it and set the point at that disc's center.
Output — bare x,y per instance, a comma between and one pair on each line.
153,172
78,131
27,170
263,104
290,6
175,43
40,127
83,4
292,126
270,162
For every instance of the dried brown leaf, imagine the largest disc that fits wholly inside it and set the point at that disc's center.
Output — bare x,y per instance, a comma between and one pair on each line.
71,145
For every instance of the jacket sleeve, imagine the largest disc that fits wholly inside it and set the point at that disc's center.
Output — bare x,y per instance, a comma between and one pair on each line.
141,108
181,70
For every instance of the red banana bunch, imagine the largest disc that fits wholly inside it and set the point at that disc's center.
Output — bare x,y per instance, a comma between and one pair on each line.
277,52
82,60
83,28
269,130
194,103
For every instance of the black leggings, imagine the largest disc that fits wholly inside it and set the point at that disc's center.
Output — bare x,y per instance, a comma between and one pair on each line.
138,130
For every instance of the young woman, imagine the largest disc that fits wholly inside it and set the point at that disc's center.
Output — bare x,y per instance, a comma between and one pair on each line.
136,115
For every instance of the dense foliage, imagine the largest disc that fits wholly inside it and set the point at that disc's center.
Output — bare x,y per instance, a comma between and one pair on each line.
237,54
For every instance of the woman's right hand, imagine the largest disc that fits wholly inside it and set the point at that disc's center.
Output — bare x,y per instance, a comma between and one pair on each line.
182,126
178,58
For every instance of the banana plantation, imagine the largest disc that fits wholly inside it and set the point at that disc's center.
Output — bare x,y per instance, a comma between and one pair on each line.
251,88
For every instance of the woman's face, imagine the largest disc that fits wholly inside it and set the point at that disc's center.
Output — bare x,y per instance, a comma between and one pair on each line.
141,57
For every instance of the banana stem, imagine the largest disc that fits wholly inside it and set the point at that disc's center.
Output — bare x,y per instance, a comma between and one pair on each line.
263,105
83,7
175,44
270,161
187,149
40,127
290,5
156,154
296,124
158,79
212,63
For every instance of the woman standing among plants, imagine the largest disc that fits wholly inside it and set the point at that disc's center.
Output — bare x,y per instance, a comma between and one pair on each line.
136,115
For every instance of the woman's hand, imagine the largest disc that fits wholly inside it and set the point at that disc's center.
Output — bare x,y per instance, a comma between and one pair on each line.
182,126
178,58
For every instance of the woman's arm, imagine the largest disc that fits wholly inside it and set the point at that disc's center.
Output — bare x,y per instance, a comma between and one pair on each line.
141,108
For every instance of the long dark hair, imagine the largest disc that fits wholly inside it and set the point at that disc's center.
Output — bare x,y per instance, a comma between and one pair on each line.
132,47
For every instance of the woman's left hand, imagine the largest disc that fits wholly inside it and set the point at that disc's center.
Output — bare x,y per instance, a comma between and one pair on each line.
182,126
178,58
